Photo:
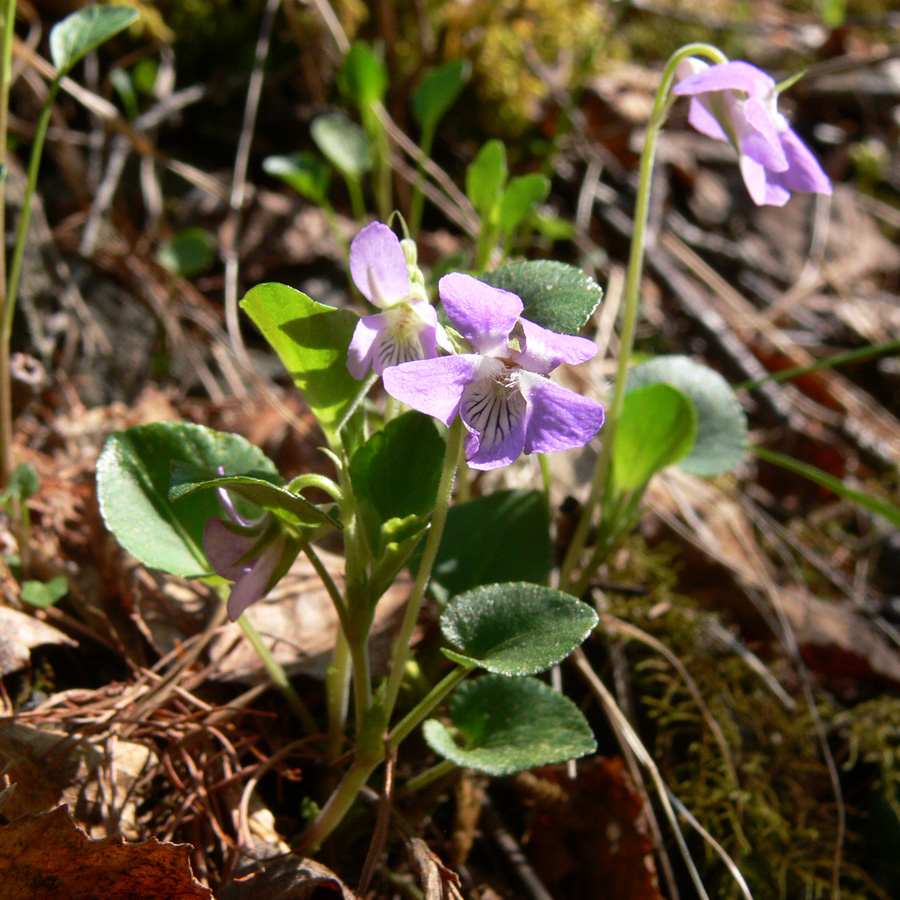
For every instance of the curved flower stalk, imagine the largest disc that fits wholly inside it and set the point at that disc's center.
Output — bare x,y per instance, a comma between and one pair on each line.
407,330
500,390
738,103
253,553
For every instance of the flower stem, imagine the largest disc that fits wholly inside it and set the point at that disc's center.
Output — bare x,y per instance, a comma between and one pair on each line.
337,681
278,675
429,554
632,301
423,779
8,26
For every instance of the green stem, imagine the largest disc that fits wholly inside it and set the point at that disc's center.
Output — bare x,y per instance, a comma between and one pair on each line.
423,779
403,728
8,26
278,675
337,680
322,482
429,554
632,301
357,202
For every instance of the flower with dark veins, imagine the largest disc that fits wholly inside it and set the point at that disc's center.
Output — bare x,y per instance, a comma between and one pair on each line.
381,266
736,102
501,390
253,553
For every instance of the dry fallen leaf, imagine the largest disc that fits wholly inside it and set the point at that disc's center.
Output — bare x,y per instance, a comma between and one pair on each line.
47,857
289,878
19,634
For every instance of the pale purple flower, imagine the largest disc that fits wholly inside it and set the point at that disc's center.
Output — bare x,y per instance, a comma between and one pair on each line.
408,328
500,389
738,103
253,553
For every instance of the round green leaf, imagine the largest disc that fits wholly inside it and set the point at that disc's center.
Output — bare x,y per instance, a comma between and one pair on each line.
187,253
556,295
312,341
78,34
504,536
507,725
435,95
396,473
657,428
304,172
364,76
344,144
515,629
133,476
721,423
45,593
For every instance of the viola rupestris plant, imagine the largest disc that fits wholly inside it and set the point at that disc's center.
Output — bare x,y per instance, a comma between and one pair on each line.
478,388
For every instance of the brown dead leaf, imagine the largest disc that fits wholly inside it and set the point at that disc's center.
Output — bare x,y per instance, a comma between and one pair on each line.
299,623
289,878
47,857
19,634
596,834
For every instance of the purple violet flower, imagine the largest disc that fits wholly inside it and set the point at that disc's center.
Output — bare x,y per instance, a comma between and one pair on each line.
253,553
407,329
500,389
736,102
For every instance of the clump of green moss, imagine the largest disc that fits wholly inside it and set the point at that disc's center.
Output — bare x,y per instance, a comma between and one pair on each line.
757,781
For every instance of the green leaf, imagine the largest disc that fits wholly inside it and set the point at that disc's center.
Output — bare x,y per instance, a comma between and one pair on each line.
485,178
304,172
721,424
24,482
556,295
395,475
45,593
133,475
438,91
489,540
292,508
344,145
364,76
657,428
520,195
86,30
312,341
187,253
515,629
889,511
507,725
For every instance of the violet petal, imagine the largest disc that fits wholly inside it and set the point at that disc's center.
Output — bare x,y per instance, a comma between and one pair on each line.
378,265
482,314
225,547
804,172
362,345
759,139
559,419
433,386
729,76
496,416
254,584
544,349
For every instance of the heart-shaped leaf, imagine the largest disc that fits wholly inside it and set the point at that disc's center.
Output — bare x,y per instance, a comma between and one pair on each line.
83,31
485,178
504,536
395,475
507,725
721,424
556,295
436,94
133,475
344,145
515,629
304,172
657,428
312,341
520,195
187,480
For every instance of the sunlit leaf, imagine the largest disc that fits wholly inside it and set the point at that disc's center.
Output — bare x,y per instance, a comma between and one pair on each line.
85,30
